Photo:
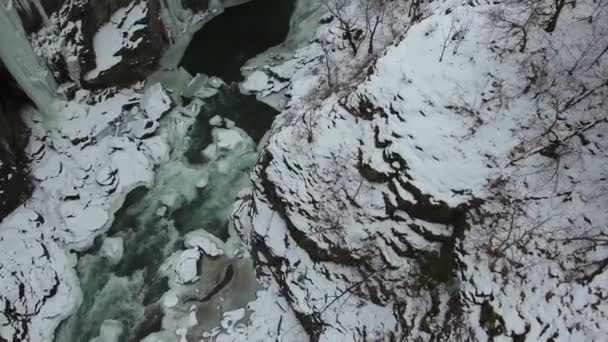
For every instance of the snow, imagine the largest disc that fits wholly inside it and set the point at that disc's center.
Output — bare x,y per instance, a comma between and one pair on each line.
21,61
206,243
445,128
186,266
226,140
258,81
38,282
216,82
355,188
112,249
216,121
155,102
86,158
203,182
83,169
110,331
116,35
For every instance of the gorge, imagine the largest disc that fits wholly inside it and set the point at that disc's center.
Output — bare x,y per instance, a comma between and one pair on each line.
274,170
194,186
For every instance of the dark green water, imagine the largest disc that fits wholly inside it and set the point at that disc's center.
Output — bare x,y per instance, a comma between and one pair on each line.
129,292
251,115
222,46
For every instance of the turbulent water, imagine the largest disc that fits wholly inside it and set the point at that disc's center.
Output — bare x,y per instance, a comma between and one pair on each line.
153,222
128,296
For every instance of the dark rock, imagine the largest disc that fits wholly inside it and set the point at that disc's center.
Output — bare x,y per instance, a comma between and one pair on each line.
246,30
15,184
31,19
196,5
136,64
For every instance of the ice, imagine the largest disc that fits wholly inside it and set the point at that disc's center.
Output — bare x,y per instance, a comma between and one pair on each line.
170,199
216,121
258,81
207,243
183,266
229,123
155,102
203,182
170,299
26,5
106,175
112,249
225,140
216,82
201,86
231,319
110,331
21,61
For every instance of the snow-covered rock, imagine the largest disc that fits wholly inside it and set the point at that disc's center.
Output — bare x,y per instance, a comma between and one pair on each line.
40,287
186,266
155,102
375,199
258,81
117,34
110,331
206,243
225,140
112,249
82,176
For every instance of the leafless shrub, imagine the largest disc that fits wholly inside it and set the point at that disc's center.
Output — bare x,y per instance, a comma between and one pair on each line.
347,23
375,12
460,24
329,65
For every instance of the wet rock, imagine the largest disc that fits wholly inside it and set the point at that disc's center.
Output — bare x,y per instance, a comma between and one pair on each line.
196,5
31,17
15,184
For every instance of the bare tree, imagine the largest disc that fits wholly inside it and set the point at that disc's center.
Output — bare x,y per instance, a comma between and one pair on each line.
415,11
459,26
552,23
512,26
347,24
375,11
329,65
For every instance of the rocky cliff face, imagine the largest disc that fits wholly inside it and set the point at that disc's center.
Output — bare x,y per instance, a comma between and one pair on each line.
15,184
68,42
392,202
108,43
32,18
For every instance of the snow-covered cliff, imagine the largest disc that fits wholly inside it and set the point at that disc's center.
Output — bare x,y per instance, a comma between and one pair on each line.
433,190
437,173
91,148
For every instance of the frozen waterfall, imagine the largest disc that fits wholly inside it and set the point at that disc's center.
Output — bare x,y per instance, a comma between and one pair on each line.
21,61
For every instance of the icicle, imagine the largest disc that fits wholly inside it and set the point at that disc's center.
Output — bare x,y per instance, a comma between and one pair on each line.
21,61
41,11
26,7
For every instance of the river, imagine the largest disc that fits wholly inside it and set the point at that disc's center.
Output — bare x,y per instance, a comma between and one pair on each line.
125,298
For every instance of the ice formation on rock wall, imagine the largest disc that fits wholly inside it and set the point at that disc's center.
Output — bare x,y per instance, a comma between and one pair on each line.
19,58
